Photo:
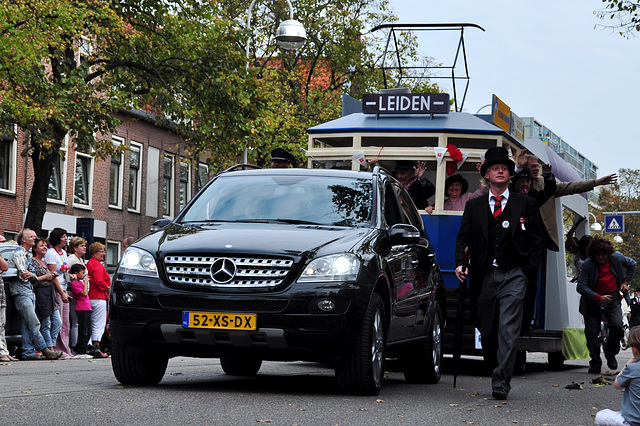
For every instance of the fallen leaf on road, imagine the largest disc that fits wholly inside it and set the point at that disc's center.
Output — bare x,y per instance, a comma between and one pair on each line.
470,409
556,386
474,394
301,409
362,409
453,405
380,400
264,421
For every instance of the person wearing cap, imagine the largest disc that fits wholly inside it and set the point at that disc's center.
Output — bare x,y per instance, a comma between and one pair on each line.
548,209
282,159
522,181
504,234
411,176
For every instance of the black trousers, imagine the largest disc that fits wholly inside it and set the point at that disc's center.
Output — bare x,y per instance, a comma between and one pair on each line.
592,318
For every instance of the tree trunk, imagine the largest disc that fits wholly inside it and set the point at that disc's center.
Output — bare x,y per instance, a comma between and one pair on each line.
38,199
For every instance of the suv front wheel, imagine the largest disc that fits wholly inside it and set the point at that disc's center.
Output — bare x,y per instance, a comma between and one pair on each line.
132,368
361,369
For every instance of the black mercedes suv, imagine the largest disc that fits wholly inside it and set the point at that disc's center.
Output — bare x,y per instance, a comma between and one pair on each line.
284,264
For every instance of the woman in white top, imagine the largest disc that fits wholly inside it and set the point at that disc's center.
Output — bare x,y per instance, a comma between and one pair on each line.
56,259
77,249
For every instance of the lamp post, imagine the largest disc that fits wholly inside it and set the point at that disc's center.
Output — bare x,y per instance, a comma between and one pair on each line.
595,226
290,35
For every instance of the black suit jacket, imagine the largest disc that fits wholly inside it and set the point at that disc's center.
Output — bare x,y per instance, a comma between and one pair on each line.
474,233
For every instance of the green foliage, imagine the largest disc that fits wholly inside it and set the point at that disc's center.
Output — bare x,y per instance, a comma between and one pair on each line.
67,66
624,197
626,13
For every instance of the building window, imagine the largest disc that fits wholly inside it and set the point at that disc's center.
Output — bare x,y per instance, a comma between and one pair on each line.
57,179
135,159
203,175
185,183
83,179
113,253
115,176
8,159
167,186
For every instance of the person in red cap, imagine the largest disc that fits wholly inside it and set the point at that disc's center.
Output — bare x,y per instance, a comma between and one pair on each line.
503,231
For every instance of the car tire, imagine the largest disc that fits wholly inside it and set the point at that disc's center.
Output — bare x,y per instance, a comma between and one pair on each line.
241,366
137,369
424,365
361,369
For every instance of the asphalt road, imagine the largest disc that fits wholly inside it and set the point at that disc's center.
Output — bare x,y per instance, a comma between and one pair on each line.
197,392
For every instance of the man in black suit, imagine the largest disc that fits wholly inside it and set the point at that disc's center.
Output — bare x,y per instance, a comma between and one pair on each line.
503,231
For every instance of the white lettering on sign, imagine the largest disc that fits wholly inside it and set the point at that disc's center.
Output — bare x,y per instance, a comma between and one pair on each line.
405,103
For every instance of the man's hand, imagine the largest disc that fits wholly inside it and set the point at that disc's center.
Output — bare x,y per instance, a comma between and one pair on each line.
605,300
26,275
420,169
607,180
64,297
429,209
624,287
523,159
461,274
546,168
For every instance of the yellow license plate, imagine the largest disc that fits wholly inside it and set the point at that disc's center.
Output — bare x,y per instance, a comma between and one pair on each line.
219,320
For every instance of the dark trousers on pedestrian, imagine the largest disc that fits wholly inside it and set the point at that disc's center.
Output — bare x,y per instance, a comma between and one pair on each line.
84,328
592,325
500,305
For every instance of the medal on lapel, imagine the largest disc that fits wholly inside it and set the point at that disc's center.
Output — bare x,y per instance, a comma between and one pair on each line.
522,222
505,224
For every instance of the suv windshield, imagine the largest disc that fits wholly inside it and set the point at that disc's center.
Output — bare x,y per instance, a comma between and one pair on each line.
294,199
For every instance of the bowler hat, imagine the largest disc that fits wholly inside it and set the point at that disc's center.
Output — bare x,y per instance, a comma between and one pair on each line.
523,173
283,155
456,178
405,165
497,155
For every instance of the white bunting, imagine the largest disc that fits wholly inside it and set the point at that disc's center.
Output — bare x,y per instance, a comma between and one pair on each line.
359,157
465,155
440,152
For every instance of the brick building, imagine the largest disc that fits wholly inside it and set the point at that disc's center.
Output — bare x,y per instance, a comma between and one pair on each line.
104,200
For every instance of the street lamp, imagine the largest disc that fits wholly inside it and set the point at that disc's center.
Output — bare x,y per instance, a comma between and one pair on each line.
595,226
618,239
290,35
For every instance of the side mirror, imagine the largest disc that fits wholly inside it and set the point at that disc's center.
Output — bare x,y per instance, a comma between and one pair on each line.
159,224
402,233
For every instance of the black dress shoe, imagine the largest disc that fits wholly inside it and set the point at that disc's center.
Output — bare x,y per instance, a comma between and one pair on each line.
500,394
594,370
612,363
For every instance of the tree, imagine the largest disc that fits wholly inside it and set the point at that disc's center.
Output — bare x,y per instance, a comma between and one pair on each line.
340,57
66,66
624,197
625,12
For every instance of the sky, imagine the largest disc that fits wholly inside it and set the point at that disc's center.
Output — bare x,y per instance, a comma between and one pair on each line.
548,60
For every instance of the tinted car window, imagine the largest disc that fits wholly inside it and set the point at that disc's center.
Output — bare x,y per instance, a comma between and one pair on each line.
320,200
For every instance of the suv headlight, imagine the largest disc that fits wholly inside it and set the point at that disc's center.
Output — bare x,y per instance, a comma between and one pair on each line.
336,267
138,262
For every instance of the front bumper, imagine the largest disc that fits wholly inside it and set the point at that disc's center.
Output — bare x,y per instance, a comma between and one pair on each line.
290,325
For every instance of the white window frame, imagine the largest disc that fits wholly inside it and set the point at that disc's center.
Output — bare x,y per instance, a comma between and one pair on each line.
117,141
63,173
184,183
118,246
11,162
90,166
138,194
202,166
168,197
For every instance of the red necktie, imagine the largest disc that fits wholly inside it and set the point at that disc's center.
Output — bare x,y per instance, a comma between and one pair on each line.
497,208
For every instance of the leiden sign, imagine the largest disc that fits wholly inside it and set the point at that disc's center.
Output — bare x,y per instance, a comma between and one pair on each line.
405,103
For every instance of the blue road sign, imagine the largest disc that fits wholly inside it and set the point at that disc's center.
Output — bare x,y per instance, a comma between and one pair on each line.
614,223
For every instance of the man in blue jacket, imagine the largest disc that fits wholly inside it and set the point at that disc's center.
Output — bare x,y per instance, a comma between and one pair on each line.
604,275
